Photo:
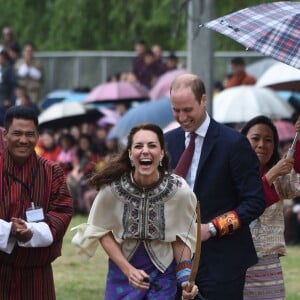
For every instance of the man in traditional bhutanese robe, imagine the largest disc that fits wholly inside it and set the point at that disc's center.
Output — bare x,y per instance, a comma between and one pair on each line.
25,262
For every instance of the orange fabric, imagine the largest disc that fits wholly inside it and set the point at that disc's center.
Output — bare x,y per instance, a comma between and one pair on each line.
241,79
227,223
48,154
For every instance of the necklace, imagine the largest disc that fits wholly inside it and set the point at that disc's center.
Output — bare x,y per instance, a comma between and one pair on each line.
144,185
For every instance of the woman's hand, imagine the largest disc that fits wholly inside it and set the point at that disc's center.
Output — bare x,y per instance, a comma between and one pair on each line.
283,167
138,279
188,292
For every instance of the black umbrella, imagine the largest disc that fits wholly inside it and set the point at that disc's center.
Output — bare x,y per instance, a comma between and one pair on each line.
66,114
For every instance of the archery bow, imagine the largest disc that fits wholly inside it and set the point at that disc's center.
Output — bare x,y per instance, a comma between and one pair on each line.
196,259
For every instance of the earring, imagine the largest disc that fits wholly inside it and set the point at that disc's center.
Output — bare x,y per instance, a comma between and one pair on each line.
160,163
132,163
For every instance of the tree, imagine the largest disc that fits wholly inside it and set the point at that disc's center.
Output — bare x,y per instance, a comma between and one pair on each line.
108,24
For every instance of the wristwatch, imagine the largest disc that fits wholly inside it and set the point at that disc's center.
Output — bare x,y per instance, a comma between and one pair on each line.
212,229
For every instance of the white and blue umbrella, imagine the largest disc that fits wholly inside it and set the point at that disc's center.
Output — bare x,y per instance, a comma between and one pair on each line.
241,103
158,112
292,98
54,96
280,76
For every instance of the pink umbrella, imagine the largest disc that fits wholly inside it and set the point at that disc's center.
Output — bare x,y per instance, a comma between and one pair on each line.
286,130
117,91
110,117
162,86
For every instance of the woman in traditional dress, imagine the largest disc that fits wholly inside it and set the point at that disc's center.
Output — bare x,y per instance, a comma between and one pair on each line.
144,218
265,279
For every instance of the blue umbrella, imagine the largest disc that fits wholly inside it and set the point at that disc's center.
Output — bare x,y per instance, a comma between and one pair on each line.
292,97
75,97
158,112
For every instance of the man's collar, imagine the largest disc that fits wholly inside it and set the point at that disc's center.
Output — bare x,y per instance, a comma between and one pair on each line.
202,130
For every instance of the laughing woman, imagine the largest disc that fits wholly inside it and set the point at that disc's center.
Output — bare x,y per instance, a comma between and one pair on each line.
143,217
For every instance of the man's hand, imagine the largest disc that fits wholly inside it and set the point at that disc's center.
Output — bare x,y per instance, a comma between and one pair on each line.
205,234
20,231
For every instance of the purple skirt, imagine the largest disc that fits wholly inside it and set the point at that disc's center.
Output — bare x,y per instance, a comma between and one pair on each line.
117,286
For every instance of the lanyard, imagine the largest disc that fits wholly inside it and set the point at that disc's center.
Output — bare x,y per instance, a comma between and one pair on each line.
29,188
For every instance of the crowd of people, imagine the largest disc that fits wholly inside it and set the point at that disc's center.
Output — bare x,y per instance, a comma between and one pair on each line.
21,74
236,77
148,65
141,199
247,202
79,150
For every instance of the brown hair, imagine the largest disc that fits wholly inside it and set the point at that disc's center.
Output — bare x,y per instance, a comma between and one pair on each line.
120,163
189,80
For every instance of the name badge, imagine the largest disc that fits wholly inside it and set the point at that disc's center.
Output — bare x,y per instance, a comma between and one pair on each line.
35,214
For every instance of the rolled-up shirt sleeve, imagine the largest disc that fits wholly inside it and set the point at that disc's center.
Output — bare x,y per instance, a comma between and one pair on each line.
7,242
105,213
42,236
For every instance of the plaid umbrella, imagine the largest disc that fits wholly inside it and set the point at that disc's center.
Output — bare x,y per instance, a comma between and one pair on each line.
272,29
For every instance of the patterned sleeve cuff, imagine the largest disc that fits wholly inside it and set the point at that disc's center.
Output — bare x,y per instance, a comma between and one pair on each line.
227,223
183,271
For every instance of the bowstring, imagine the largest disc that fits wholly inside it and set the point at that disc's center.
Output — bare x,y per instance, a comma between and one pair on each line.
191,223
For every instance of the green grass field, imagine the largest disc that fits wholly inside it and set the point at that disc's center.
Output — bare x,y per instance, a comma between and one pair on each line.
80,279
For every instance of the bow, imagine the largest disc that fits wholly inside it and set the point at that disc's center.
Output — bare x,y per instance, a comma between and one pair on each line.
196,259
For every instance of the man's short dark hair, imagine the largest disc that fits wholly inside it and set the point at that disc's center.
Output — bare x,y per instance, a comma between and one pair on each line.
20,112
140,41
238,61
172,56
149,52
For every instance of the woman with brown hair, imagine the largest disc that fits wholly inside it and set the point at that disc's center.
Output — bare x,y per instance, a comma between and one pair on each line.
144,218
